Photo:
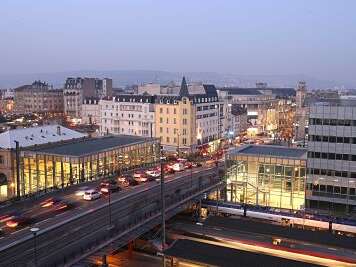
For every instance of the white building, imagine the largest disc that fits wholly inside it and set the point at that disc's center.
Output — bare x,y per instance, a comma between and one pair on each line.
128,114
331,178
90,111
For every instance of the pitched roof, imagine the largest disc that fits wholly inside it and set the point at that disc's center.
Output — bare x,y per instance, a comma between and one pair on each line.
37,135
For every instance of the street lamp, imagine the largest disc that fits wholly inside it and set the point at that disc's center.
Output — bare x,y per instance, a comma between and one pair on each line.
163,212
34,231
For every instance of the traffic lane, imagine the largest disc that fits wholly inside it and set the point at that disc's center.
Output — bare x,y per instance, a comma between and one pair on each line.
35,210
264,241
88,206
38,213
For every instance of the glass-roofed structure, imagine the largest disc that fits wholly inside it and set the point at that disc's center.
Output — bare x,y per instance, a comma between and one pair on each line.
272,176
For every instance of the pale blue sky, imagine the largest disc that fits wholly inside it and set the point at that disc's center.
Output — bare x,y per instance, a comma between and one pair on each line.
313,37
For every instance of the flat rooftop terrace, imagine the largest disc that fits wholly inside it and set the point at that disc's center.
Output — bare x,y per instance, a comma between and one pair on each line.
271,150
87,146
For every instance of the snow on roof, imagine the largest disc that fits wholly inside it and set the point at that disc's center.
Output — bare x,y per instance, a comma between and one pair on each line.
37,135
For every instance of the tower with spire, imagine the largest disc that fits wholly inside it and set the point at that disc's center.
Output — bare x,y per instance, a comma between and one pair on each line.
184,92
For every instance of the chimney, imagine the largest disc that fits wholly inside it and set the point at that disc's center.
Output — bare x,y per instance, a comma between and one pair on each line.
59,130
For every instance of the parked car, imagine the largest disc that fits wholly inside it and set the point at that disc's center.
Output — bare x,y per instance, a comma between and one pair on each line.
91,194
196,164
188,165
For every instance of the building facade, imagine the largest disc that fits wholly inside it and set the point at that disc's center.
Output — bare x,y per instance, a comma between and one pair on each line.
128,115
331,180
57,157
90,111
39,97
77,89
270,176
189,120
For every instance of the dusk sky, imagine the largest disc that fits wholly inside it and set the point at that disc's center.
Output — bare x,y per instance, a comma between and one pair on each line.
312,37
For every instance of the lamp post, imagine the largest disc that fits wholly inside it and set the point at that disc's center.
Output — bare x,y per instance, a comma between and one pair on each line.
34,231
163,212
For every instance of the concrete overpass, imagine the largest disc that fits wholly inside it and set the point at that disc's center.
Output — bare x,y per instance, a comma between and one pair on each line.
64,240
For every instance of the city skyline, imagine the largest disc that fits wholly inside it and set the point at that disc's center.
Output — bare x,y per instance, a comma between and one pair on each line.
309,38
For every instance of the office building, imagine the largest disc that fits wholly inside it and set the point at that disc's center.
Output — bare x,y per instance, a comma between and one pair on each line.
331,179
271,176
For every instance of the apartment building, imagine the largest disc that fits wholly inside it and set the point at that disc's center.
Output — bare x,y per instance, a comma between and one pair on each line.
262,104
331,177
188,120
77,89
128,115
90,111
39,97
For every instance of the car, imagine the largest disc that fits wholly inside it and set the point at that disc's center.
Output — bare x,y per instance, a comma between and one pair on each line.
188,165
140,176
124,181
178,167
81,190
62,205
154,174
196,164
6,217
91,194
18,221
49,202
109,186
133,182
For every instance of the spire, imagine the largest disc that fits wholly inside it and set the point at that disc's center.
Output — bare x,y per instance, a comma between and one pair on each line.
184,88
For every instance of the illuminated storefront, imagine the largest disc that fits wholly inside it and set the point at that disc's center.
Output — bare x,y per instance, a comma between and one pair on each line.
62,164
270,176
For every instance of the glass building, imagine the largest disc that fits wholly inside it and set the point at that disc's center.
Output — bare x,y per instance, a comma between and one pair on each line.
271,176
65,163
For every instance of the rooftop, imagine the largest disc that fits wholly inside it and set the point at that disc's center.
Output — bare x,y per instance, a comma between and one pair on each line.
37,136
87,146
272,150
213,255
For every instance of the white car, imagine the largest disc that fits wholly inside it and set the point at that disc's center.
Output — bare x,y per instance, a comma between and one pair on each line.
81,190
91,194
178,167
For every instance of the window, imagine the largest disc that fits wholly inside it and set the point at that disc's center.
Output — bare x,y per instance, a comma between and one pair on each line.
167,120
339,140
184,141
167,130
184,131
174,120
2,160
185,111
332,139
167,110
161,120
174,111
160,129
167,139
184,121
161,110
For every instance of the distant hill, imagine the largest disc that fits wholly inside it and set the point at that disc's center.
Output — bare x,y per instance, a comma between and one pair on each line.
129,77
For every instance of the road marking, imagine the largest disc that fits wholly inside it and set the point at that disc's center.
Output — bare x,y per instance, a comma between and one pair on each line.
16,232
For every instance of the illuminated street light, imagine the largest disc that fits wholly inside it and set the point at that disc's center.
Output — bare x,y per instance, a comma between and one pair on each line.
34,231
